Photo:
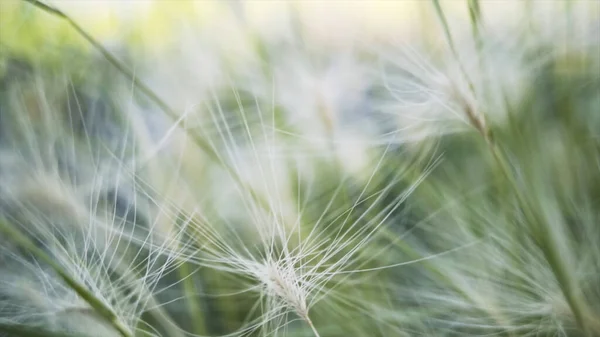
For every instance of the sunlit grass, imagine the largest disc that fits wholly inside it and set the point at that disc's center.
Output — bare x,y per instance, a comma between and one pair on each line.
299,169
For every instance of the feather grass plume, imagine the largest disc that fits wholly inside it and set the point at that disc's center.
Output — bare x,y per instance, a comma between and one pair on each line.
317,178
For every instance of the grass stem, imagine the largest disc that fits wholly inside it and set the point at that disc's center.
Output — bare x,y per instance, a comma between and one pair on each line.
540,232
312,326
104,311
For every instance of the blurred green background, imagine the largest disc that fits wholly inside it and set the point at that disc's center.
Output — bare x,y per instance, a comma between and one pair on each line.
344,102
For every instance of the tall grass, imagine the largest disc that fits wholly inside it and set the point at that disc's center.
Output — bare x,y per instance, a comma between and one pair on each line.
445,184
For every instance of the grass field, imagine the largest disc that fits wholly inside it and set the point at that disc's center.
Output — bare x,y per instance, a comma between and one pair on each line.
319,169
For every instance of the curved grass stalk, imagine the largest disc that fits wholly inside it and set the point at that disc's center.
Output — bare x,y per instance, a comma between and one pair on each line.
311,325
540,233
123,69
103,311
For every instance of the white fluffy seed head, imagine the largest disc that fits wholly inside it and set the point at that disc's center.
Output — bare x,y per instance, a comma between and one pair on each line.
281,281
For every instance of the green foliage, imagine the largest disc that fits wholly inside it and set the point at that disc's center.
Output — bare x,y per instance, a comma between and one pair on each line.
434,196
